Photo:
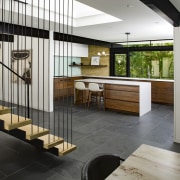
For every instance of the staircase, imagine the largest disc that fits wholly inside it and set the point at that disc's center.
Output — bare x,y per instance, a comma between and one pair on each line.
38,136
4,110
21,127
27,55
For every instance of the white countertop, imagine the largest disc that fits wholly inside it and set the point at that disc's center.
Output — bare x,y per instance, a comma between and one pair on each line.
108,81
118,78
128,78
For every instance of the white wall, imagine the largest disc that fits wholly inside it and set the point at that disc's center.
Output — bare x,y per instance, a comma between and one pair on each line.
40,60
176,84
41,90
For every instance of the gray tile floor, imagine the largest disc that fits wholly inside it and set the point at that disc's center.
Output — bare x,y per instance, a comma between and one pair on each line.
94,131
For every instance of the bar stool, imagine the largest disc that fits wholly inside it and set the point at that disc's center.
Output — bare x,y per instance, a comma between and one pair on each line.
95,90
80,86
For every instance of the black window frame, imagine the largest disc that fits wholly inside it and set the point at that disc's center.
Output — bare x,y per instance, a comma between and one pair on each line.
127,51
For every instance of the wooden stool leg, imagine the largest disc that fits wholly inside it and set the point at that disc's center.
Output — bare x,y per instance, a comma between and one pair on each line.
89,96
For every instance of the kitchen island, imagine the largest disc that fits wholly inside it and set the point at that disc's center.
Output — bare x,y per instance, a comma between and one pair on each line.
162,90
128,96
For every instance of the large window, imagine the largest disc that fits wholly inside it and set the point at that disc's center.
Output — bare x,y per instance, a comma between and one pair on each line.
143,62
152,64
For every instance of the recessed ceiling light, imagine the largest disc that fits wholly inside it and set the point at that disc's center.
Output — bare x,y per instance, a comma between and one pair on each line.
129,6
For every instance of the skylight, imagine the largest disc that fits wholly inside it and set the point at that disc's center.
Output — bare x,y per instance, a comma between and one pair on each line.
83,15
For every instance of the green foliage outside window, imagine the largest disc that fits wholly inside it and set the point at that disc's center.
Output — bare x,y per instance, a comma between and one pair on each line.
153,64
120,64
146,64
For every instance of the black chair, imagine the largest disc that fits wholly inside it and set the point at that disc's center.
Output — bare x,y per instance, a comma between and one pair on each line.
100,166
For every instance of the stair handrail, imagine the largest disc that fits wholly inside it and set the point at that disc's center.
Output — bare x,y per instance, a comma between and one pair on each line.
28,111
12,71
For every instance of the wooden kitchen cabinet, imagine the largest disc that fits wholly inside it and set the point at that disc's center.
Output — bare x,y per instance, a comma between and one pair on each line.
64,86
122,97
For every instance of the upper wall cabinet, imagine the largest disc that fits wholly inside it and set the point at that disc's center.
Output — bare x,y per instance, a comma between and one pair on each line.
78,50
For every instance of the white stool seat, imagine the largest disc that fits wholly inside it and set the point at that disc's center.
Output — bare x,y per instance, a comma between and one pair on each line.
94,88
81,87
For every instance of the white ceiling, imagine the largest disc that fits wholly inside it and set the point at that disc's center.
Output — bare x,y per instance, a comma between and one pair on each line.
142,22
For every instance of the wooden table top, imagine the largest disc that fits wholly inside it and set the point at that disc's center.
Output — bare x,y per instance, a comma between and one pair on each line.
149,163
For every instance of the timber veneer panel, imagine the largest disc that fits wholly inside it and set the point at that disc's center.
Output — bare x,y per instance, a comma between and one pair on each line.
163,92
64,86
122,105
122,97
122,87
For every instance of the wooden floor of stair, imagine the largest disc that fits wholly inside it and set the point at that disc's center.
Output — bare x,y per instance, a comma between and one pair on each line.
50,140
65,148
12,121
33,131
4,110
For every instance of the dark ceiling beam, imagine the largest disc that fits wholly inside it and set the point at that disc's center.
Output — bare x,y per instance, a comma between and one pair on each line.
165,9
81,40
6,38
14,29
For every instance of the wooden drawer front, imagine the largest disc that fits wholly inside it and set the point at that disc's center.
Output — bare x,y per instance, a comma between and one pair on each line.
122,95
122,105
122,87
168,85
162,98
163,92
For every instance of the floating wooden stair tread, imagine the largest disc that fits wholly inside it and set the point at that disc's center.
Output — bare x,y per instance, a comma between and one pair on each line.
50,140
33,131
65,148
12,121
4,110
